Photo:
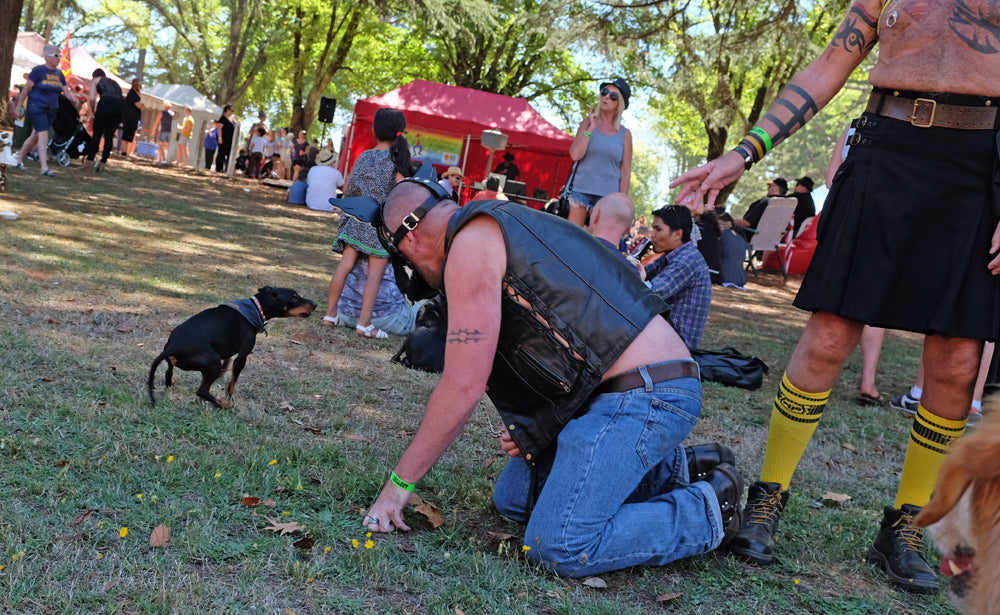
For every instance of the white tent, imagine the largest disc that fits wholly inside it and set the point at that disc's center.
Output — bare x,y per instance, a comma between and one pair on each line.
203,110
24,61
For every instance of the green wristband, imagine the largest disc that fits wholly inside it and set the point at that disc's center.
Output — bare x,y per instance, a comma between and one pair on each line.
587,133
402,484
760,132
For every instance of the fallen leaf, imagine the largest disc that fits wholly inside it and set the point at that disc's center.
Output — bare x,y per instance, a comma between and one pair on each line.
426,509
284,528
850,447
289,612
108,585
83,517
553,593
835,529
490,462
287,407
304,543
408,547
835,497
596,582
53,321
502,536
48,379
313,430
665,597
268,502
250,501
62,463
124,329
160,536
87,312
294,341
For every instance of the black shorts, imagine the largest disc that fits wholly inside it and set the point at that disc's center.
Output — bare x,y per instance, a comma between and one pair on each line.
129,126
904,236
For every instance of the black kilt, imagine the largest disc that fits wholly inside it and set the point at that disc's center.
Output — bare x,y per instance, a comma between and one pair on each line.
904,236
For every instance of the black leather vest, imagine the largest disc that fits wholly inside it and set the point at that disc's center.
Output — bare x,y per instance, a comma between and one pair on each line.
569,309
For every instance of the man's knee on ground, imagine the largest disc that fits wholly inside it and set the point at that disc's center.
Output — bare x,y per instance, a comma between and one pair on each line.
565,562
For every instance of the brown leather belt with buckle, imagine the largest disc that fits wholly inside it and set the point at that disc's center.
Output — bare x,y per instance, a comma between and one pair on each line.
926,112
657,373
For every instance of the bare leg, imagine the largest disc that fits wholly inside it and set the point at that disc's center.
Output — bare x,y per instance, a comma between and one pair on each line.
376,267
347,260
871,348
984,370
41,146
951,365
28,144
577,215
822,351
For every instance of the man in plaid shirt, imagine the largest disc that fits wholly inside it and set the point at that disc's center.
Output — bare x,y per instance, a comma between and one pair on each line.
680,276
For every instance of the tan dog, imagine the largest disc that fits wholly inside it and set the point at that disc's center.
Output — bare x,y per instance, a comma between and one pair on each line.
963,517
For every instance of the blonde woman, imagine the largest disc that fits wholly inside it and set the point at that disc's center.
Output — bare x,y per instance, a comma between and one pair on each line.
602,150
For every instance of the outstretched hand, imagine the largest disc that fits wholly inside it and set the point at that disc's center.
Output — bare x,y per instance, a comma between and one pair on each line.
386,514
709,179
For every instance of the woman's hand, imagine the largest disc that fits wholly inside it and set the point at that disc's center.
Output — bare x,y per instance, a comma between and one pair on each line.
709,179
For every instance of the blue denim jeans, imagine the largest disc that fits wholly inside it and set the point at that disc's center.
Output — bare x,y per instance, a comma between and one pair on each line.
618,494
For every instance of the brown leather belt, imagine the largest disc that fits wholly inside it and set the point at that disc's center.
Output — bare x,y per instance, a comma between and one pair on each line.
657,373
926,112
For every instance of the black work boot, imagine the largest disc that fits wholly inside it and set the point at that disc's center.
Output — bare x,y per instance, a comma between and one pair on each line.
727,483
900,551
754,542
703,458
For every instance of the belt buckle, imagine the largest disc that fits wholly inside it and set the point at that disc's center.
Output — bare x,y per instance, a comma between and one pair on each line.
917,105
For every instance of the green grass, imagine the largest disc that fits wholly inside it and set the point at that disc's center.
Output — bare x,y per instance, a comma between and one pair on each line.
98,269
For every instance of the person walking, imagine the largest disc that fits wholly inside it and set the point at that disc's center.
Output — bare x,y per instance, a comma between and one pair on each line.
107,115
41,90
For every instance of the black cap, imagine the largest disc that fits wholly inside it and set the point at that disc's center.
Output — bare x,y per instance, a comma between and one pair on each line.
622,87
781,183
806,181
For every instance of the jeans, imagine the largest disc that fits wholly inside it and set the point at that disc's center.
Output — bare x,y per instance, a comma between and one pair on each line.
618,493
399,322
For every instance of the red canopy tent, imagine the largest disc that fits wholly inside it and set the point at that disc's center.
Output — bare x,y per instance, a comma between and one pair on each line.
445,125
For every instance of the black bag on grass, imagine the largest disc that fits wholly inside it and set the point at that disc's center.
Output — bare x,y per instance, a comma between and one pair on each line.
730,367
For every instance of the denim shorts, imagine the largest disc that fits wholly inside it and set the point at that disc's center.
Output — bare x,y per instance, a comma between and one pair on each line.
164,136
41,117
581,199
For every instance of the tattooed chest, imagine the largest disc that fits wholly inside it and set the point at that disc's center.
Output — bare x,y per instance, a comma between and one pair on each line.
974,24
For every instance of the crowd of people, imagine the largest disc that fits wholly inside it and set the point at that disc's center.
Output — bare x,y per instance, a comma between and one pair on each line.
580,330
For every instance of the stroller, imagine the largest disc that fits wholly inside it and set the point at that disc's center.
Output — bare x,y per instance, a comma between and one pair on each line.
69,137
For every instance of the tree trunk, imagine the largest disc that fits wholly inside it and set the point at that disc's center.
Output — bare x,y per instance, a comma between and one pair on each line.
10,17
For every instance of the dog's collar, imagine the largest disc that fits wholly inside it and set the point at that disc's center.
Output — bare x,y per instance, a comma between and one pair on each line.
251,310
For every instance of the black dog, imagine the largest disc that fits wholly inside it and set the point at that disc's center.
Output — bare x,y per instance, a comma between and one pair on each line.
207,341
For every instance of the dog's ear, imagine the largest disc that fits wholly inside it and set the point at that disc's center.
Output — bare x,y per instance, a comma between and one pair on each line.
264,290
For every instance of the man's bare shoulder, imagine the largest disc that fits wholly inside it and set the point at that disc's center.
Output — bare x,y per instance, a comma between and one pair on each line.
939,46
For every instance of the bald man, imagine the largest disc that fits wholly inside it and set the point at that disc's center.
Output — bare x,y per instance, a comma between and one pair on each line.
571,352
610,220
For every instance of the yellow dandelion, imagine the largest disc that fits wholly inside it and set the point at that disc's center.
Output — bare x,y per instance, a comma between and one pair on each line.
285,513
123,532
138,496
525,548
218,475
1,567
368,535
309,580
354,543
796,581
298,487
273,462
369,544
170,458
326,550
100,556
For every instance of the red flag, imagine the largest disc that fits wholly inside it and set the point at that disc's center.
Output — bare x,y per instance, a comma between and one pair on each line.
64,64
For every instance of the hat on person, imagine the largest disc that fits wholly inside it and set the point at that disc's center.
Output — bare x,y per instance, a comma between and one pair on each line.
453,171
806,181
781,183
51,51
325,157
622,87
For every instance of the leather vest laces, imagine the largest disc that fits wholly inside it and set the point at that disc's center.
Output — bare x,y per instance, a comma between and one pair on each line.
569,308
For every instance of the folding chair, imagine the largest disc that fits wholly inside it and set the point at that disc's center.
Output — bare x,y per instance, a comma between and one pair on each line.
772,230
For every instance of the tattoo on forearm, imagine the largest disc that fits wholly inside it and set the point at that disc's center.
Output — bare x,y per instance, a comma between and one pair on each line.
851,35
464,336
800,104
979,31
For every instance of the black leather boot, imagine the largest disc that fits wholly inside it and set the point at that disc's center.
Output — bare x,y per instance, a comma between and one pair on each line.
727,483
703,458
900,551
754,542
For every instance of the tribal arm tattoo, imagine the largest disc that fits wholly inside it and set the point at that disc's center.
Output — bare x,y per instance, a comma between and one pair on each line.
799,104
852,33
978,29
464,336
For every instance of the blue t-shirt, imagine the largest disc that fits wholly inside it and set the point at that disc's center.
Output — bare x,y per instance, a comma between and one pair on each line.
297,193
48,83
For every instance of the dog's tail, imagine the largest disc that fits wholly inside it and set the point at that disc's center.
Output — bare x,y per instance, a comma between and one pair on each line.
972,458
152,375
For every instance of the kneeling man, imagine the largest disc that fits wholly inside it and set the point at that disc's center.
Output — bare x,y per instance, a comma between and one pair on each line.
595,389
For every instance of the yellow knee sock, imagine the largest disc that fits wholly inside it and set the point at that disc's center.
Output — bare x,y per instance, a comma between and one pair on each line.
793,422
930,440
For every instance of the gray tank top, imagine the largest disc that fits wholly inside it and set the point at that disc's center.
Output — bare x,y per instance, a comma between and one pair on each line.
599,171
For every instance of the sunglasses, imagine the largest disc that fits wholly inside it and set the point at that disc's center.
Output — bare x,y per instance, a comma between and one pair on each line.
612,95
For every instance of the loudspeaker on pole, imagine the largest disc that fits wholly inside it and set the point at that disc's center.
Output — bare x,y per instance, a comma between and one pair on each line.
327,106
